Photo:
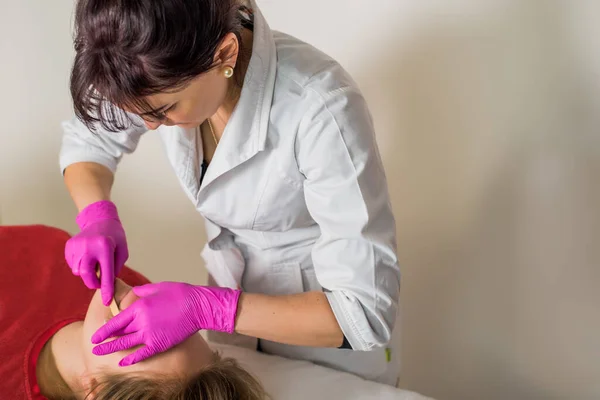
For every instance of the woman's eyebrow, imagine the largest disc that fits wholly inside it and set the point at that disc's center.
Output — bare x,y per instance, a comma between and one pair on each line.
159,110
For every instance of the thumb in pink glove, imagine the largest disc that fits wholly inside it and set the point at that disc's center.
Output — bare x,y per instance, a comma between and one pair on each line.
166,314
101,241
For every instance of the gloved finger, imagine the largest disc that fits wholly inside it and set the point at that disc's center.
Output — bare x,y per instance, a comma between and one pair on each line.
70,257
137,356
75,266
128,329
117,323
121,256
146,290
107,278
87,271
119,344
125,331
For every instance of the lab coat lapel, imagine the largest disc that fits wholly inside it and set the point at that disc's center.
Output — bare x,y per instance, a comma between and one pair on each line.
246,131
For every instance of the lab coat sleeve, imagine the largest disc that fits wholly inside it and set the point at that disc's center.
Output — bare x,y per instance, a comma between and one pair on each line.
346,194
79,144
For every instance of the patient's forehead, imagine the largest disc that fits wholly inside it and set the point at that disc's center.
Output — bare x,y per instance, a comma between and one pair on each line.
183,360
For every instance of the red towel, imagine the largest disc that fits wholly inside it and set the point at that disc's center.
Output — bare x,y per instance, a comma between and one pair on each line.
38,295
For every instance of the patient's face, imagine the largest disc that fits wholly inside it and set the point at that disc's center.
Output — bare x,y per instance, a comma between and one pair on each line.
183,360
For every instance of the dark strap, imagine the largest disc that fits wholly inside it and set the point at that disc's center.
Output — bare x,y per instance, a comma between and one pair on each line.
204,168
345,344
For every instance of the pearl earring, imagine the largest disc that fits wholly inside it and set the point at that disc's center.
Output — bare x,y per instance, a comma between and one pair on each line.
228,72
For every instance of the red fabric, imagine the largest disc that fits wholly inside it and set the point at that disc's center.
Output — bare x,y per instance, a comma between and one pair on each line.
38,296
34,353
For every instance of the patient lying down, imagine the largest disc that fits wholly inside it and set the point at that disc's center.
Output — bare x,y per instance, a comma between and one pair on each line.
186,371
46,325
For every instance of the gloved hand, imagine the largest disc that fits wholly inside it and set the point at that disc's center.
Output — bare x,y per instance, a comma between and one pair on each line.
166,314
100,241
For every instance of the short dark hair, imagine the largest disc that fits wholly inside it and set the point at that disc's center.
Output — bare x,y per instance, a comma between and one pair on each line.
129,49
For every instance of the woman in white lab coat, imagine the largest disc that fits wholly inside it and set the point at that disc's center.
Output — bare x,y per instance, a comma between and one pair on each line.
273,143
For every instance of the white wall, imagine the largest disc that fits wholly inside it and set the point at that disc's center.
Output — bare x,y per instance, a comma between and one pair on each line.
488,122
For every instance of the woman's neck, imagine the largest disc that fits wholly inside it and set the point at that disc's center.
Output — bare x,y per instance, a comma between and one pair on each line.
60,363
235,83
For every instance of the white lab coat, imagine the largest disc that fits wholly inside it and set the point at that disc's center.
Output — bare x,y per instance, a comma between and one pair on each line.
295,198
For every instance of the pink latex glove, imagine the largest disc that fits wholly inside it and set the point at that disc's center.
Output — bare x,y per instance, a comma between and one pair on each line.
166,314
100,241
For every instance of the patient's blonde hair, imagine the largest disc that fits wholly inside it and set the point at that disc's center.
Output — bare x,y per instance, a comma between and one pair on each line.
223,379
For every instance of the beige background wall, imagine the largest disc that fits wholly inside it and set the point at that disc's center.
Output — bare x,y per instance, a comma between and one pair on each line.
488,122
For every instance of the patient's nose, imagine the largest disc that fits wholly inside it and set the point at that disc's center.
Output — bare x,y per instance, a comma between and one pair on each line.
128,300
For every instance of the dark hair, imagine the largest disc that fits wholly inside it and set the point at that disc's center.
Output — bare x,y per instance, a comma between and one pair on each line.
129,49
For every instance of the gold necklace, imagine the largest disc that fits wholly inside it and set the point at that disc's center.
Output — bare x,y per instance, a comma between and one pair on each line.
212,131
